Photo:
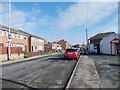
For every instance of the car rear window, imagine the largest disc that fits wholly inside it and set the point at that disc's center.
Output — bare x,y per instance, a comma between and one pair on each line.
71,50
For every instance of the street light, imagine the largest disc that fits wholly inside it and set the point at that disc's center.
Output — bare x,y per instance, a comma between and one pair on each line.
9,35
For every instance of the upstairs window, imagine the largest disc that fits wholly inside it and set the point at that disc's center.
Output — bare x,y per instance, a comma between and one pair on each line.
19,36
6,33
25,37
1,33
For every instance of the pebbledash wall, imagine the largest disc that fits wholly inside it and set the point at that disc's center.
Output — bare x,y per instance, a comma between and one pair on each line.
20,42
105,45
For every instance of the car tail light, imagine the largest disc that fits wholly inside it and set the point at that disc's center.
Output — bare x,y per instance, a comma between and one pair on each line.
75,53
65,53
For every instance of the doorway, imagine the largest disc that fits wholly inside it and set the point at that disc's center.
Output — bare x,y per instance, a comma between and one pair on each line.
118,48
98,48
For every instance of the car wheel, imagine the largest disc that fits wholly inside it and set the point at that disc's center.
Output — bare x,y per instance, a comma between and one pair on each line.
65,58
77,58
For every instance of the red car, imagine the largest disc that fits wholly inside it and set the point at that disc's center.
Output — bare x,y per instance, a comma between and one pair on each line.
71,53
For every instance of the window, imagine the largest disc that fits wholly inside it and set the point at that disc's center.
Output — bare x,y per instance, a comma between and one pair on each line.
19,45
71,50
42,41
40,48
11,44
1,33
25,37
19,36
35,39
6,33
36,47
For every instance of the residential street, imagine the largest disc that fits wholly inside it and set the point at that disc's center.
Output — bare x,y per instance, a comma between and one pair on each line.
47,72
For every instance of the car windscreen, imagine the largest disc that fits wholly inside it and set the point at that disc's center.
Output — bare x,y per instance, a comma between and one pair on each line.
71,50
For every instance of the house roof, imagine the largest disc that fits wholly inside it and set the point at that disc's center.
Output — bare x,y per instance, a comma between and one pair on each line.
5,28
31,35
19,32
101,35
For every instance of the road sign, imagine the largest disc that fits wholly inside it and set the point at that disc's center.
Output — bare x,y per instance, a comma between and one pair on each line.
9,36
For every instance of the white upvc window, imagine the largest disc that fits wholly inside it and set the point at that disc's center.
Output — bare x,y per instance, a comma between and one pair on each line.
19,36
25,37
11,44
1,33
19,45
35,39
7,44
6,33
40,47
40,40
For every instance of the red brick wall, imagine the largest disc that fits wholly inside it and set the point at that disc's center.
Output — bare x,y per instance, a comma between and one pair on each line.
62,43
48,47
29,54
4,50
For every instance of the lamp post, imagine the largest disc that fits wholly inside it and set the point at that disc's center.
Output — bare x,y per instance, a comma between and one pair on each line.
9,35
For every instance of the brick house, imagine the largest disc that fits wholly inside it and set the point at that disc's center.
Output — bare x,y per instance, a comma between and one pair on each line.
21,41
49,46
28,42
64,44
35,43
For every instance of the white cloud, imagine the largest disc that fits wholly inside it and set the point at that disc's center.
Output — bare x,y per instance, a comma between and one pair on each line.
76,15
73,16
19,18
110,26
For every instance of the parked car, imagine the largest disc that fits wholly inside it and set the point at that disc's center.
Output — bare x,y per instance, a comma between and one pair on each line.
71,53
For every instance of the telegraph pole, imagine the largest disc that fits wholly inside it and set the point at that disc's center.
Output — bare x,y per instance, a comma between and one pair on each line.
87,40
9,35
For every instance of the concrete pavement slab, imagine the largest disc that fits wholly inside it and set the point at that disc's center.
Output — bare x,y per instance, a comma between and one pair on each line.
86,75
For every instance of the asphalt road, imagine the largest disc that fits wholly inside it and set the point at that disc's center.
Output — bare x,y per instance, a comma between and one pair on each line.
108,68
47,72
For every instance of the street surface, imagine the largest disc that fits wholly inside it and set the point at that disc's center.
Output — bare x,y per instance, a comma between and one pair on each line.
47,72
108,68
86,75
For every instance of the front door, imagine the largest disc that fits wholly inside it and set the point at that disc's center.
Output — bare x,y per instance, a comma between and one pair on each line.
118,48
98,48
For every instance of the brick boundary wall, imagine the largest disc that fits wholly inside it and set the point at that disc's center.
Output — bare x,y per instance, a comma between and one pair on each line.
4,50
30,54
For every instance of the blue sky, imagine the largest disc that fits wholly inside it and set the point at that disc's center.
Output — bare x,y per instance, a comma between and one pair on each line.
62,20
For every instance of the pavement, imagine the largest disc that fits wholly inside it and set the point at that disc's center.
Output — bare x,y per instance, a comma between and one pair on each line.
86,75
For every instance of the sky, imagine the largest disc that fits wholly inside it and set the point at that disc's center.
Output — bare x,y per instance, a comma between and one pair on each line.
62,20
